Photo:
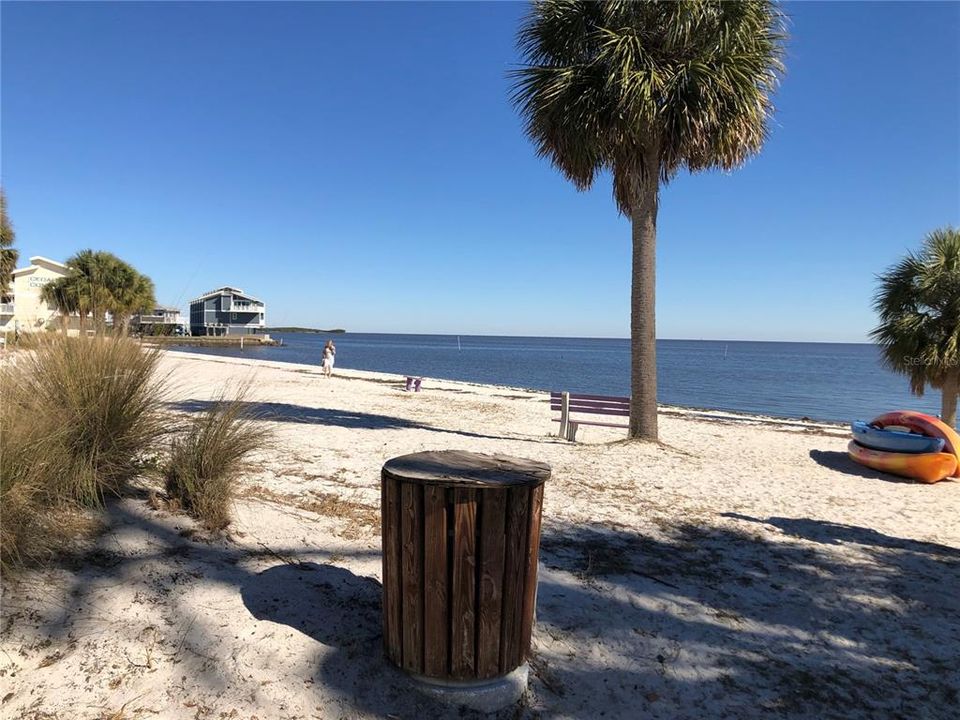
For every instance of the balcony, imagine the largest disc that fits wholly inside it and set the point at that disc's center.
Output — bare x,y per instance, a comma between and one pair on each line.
241,307
6,308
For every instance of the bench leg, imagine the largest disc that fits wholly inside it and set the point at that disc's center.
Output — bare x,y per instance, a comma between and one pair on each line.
564,415
409,384
572,431
416,384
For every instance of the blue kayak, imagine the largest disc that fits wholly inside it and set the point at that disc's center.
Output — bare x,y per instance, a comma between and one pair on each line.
894,440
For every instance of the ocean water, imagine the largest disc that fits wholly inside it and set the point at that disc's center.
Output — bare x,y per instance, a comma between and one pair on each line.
821,381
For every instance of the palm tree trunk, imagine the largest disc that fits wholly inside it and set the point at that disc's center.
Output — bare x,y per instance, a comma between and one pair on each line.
643,320
948,400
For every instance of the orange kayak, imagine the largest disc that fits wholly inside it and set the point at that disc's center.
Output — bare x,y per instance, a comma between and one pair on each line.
925,425
927,467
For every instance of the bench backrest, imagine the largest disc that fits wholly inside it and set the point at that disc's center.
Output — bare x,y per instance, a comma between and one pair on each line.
594,404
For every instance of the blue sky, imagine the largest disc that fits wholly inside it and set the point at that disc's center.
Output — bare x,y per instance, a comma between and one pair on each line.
360,166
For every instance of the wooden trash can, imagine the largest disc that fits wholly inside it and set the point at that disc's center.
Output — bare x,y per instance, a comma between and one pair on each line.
461,538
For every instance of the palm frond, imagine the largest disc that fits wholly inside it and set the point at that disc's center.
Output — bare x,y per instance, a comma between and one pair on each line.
918,303
607,84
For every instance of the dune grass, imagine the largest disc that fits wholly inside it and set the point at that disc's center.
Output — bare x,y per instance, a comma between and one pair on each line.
207,457
76,415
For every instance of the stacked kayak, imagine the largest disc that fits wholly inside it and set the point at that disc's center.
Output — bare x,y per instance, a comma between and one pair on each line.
907,443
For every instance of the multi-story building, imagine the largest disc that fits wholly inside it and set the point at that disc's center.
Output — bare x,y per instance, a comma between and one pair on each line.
24,310
226,311
162,321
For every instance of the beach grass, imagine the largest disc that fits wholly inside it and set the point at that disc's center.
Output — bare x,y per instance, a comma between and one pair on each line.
76,415
208,455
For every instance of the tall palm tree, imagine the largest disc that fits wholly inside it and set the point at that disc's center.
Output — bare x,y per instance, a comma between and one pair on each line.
90,273
8,254
919,307
643,90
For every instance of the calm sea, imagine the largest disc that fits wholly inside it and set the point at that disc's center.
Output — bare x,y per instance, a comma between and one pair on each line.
822,381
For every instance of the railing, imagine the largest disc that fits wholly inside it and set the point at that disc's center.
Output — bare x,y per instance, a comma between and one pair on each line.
6,308
245,308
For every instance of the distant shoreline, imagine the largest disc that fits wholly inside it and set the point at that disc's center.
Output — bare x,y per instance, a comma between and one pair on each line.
312,331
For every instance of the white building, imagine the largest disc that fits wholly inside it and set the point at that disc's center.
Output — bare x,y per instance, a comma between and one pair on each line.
26,311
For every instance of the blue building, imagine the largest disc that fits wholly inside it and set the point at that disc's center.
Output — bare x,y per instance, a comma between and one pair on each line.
226,311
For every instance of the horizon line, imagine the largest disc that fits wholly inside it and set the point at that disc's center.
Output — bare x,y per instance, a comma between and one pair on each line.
590,337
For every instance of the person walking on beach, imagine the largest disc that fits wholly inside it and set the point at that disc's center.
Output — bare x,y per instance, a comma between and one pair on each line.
329,353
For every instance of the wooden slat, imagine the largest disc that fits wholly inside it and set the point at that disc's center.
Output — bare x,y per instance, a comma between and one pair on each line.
490,604
587,407
435,621
411,559
602,411
601,398
530,578
390,514
514,563
578,421
589,404
463,594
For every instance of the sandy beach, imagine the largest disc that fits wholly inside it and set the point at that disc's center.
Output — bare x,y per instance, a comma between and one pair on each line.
742,568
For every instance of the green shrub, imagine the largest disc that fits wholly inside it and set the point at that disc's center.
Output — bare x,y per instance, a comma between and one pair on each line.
207,458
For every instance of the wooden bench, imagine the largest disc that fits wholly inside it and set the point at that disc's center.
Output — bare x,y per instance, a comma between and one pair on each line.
569,403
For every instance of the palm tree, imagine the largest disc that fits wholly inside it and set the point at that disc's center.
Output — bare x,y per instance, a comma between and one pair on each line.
63,295
919,307
131,293
99,282
8,254
90,273
643,90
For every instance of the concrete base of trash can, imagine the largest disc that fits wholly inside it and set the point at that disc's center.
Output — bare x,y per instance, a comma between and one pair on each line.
485,696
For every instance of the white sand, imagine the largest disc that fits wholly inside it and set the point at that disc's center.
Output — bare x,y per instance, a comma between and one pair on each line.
741,569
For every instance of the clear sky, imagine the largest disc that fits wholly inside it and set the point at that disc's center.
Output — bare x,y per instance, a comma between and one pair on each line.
360,166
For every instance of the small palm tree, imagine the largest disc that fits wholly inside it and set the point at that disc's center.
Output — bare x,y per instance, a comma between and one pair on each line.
919,307
8,254
643,90
131,293
63,295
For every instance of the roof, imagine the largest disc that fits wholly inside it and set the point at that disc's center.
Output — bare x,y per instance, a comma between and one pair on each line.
226,289
38,260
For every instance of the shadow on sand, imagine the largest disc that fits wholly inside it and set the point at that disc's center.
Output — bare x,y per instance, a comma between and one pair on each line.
290,413
786,617
841,462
